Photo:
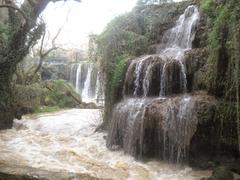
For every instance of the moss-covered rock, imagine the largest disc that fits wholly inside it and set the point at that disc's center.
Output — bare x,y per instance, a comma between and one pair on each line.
196,62
221,173
133,34
61,94
45,96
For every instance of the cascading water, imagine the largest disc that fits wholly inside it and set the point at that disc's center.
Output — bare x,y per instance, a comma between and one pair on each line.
138,70
162,126
78,78
64,145
179,39
85,78
86,93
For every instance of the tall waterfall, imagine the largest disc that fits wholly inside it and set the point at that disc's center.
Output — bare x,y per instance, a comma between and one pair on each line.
85,78
160,126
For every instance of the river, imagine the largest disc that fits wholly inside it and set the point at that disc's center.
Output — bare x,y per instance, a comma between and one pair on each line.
67,141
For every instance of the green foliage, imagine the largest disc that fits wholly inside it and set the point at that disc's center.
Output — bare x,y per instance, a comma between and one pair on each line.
58,94
46,96
123,35
29,96
208,7
225,116
114,84
117,76
223,73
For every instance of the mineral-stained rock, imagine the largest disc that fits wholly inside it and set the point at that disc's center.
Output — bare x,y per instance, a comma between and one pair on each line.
152,74
195,61
160,127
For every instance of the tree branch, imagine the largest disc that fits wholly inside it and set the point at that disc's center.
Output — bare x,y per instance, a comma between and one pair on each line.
17,9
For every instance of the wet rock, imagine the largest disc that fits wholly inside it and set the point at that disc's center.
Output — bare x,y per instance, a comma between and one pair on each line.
162,128
156,19
152,75
221,173
200,40
90,105
195,61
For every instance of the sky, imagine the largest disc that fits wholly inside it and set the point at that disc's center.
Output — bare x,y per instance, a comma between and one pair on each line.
89,16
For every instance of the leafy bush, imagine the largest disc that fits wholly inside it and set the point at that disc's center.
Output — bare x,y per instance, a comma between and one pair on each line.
60,94
46,96
118,76
223,72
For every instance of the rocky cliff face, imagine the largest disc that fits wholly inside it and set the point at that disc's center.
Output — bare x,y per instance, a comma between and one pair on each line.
161,127
147,126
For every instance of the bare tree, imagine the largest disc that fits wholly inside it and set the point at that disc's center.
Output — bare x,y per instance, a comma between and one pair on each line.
24,30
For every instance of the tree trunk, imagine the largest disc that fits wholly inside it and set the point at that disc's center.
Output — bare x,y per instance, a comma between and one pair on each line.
7,113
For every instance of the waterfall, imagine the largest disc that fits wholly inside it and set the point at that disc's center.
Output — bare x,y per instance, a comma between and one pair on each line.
146,80
178,40
87,94
78,78
156,127
181,36
84,76
153,123
138,71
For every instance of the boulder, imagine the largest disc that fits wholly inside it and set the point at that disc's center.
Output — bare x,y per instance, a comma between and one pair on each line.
221,173
196,61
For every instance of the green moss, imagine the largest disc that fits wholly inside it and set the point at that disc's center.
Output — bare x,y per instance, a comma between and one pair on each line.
47,96
223,74
118,75
222,44
207,6
59,94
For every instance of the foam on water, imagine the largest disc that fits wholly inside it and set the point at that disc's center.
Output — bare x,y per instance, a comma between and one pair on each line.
67,141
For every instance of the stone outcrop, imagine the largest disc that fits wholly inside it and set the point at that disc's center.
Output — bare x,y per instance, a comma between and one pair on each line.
156,19
161,127
196,62
147,73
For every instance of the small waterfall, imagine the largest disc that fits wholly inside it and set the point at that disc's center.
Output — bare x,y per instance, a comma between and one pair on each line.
178,128
181,36
86,90
179,39
160,126
78,78
156,127
146,80
138,72
73,71
84,77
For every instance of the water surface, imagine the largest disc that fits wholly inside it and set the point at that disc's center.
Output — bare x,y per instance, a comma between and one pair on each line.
67,141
